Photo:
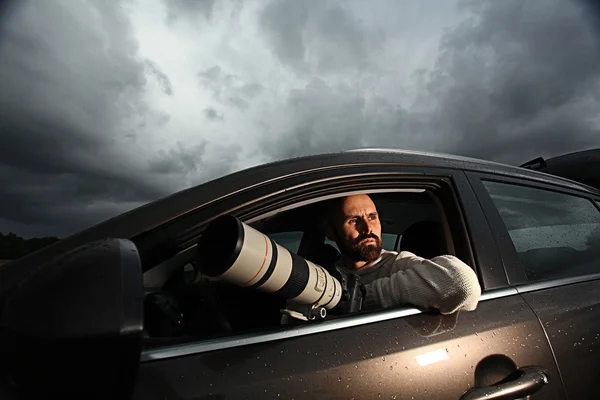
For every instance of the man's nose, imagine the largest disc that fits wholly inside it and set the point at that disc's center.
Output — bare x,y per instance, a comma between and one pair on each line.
365,227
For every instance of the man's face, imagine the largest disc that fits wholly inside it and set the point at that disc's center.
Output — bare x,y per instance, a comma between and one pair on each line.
357,229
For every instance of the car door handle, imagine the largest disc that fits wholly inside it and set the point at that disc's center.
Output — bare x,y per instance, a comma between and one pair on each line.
523,382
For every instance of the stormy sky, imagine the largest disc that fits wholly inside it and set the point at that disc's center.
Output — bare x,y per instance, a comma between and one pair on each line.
107,105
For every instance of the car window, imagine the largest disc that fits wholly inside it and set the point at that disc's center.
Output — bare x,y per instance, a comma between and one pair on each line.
555,235
289,240
389,241
212,306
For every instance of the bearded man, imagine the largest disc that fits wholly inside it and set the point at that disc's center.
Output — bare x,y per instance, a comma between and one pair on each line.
391,278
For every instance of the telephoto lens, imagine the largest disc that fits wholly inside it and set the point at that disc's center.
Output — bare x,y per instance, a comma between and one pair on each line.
239,254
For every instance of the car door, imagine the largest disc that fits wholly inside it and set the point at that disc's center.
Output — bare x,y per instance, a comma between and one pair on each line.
400,353
551,238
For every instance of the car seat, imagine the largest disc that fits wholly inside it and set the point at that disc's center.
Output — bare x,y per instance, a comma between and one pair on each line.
324,255
425,239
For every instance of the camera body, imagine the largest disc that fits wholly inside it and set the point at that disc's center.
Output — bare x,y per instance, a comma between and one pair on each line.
352,291
350,301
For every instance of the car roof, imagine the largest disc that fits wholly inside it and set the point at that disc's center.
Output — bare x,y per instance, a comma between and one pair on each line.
177,204
158,212
444,160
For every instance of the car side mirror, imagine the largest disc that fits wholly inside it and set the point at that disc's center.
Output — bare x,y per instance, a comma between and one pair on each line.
73,327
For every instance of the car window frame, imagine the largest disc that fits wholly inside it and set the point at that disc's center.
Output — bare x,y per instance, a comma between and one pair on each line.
486,263
470,217
515,270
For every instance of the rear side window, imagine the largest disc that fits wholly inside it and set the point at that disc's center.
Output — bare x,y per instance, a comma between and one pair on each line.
289,240
389,241
556,235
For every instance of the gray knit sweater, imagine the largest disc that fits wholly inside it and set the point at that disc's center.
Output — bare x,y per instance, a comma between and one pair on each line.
443,282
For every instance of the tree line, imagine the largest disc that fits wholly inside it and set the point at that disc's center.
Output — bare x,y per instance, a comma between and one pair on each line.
12,246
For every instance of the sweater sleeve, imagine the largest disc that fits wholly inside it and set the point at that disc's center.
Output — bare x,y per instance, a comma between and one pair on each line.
443,282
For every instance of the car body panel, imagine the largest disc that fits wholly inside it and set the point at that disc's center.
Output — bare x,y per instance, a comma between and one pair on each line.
154,214
377,358
568,307
570,315
492,274
386,359
380,358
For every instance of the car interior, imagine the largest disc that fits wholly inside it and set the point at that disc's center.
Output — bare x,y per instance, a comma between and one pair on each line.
182,304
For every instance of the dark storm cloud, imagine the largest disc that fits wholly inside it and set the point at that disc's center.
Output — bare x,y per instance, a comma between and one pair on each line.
519,80
210,74
229,88
251,89
188,9
238,102
324,34
61,101
184,160
515,81
160,76
212,115
285,21
180,159
332,118
66,202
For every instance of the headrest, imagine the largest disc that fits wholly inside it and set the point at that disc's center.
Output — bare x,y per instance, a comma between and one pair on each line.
425,239
324,255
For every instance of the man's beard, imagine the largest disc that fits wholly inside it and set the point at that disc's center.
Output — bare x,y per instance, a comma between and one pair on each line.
362,251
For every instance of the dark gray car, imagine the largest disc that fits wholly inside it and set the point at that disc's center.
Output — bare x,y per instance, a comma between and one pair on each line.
136,317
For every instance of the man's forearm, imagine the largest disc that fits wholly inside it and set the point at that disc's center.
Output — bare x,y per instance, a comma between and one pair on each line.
444,283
